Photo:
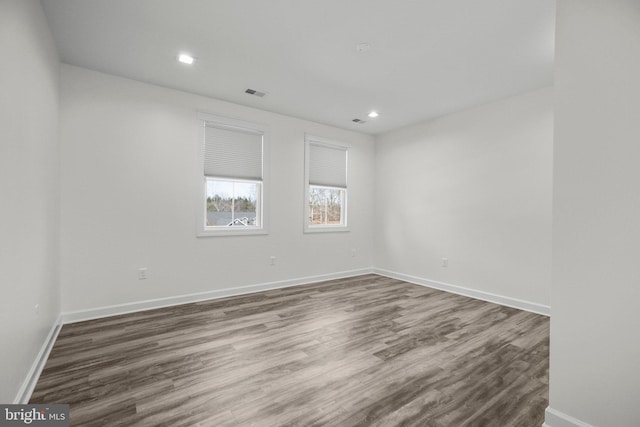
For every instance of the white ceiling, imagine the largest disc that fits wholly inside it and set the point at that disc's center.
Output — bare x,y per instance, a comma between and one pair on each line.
427,57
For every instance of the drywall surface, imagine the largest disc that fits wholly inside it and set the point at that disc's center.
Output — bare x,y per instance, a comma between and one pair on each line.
131,186
29,192
473,187
595,350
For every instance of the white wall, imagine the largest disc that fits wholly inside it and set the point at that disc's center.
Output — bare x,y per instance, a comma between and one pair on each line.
130,181
595,324
28,189
473,187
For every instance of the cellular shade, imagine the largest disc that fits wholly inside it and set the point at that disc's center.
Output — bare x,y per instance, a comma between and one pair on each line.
327,165
231,152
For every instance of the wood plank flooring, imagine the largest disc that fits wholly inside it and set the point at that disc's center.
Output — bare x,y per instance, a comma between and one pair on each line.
363,351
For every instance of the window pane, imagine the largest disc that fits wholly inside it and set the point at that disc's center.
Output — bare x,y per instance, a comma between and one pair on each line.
232,203
325,205
244,203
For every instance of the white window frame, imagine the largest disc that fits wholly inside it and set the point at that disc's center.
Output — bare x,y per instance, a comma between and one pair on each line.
324,228
262,208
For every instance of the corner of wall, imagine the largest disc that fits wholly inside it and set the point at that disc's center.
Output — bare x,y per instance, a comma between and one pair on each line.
554,418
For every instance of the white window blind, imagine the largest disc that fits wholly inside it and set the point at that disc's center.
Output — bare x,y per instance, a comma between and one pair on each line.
232,152
327,165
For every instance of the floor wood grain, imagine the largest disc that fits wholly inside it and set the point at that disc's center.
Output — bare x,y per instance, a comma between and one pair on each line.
363,351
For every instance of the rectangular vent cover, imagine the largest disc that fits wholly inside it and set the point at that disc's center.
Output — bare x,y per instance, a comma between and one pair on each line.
255,92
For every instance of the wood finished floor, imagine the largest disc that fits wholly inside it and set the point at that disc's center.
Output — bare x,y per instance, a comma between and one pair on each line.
363,351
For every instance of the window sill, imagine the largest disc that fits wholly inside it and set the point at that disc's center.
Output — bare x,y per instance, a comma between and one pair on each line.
326,229
232,232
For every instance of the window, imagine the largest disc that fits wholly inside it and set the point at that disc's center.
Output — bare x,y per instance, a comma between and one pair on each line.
234,177
325,186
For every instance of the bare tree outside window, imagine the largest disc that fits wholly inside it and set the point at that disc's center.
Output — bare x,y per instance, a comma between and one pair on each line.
231,203
325,205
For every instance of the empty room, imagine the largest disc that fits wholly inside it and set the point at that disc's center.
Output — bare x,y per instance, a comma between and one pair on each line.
320,213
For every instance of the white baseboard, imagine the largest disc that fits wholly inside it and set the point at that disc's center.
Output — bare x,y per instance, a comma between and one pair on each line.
473,293
554,418
29,384
112,310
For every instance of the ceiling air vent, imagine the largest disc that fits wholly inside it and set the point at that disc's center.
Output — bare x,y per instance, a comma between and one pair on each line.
255,92
358,121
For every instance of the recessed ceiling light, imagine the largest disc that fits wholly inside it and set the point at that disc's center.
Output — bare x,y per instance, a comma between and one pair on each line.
186,59
373,114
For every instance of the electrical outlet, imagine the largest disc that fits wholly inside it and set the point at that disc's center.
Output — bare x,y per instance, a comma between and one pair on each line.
353,252
445,262
142,273
272,260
